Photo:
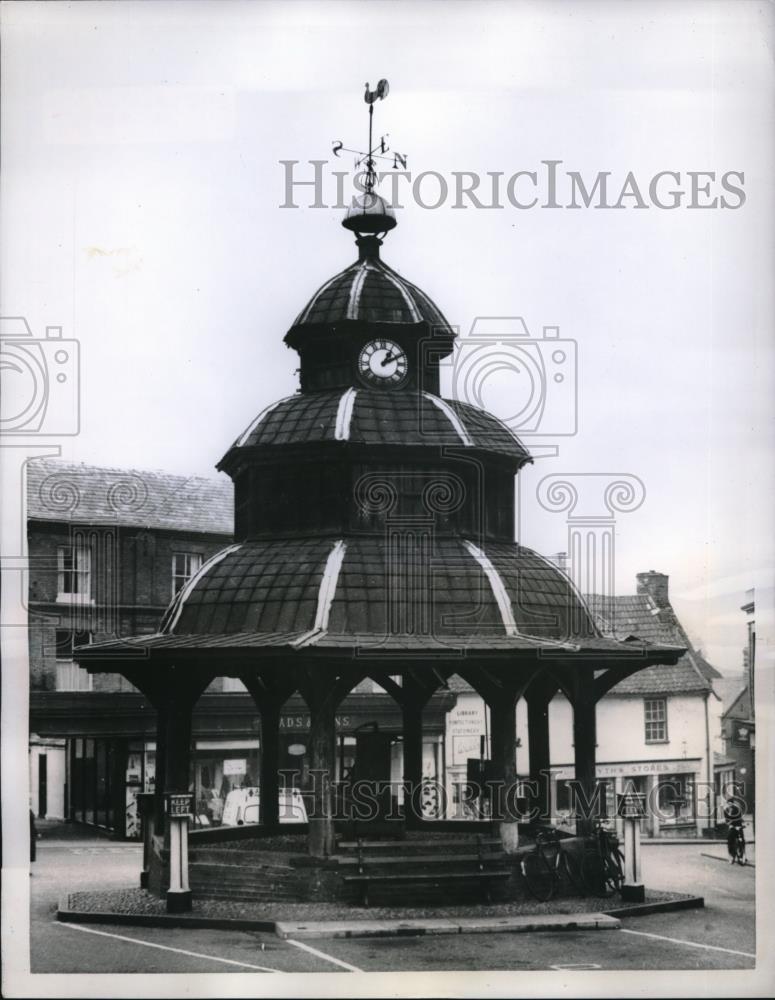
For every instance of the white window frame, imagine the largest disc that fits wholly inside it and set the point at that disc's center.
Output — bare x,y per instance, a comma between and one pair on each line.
80,570
193,563
654,717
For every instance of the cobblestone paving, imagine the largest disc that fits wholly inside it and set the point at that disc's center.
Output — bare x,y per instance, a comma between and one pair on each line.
138,901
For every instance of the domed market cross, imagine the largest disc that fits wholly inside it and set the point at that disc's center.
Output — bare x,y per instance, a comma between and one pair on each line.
374,538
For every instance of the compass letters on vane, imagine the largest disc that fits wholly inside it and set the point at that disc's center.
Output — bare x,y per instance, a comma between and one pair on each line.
378,151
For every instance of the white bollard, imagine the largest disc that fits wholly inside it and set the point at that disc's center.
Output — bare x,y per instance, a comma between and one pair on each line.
178,808
631,808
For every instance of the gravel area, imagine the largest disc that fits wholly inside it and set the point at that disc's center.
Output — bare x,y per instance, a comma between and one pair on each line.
139,901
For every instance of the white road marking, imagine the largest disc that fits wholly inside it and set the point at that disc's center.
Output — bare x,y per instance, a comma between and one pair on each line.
164,947
323,955
689,944
577,966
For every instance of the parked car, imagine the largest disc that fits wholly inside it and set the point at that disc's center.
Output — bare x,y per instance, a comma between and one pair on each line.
242,806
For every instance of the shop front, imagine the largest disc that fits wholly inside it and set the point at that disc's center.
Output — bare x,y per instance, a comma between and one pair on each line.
670,788
111,752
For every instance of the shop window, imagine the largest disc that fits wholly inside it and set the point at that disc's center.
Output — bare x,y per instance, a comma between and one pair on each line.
655,710
184,566
74,573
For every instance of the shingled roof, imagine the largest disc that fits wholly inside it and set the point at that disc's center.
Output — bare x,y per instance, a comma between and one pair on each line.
89,494
638,615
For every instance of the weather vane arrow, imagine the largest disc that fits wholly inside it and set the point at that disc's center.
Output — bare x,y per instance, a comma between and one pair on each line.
375,152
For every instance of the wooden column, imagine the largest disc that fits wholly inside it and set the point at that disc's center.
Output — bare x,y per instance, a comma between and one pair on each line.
161,760
269,805
411,712
503,736
270,689
584,750
322,708
538,751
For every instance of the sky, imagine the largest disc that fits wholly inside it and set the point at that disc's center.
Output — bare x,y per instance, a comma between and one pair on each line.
142,187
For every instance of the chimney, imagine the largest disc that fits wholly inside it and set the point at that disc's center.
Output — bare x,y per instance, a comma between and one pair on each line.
655,585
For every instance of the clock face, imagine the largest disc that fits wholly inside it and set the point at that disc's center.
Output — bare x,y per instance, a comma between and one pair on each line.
383,363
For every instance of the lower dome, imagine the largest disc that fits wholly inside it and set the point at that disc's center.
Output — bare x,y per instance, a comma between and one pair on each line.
364,588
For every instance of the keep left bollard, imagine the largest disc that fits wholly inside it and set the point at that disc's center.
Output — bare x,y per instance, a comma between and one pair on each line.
178,809
631,806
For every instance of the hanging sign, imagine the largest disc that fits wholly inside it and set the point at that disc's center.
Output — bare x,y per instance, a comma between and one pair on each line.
239,766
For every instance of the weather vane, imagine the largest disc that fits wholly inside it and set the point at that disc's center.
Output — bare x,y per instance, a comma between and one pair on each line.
375,152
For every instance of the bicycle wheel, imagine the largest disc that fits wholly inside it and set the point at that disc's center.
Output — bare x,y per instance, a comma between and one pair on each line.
614,870
593,874
539,876
571,867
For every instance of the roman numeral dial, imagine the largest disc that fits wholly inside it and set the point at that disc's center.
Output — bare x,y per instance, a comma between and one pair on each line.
383,362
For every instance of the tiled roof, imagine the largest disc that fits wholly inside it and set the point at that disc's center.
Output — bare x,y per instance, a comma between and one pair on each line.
638,615
371,417
276,587
88,494
370,291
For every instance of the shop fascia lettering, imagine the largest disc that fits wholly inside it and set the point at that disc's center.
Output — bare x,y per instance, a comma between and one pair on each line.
297,722
644,767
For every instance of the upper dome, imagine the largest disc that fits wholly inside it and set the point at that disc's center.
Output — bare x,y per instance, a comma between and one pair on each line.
370,292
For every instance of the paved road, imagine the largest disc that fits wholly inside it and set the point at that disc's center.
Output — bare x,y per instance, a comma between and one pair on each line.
719,937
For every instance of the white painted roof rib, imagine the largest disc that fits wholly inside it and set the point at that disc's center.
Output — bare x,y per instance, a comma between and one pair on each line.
262,416
302,317
326,595
344,415
406,295
176,610
498,588
453,418
356,288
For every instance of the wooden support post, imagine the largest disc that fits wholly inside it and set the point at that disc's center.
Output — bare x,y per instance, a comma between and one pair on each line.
584,751
146,809
538,750
503,729
177,756
161,760
322,708
411,712
269,805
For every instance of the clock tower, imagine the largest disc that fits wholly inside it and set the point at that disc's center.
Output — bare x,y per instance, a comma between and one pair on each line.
368,327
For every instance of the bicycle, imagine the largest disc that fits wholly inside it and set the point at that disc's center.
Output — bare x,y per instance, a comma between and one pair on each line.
602,865
544,866
736,844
